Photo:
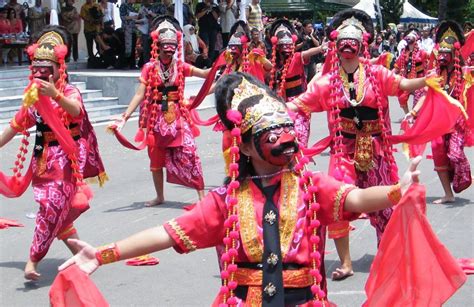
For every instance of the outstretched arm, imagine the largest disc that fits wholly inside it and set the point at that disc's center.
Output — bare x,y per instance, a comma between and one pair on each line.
7,135
201,73
307,54
145,242
410,85
378,198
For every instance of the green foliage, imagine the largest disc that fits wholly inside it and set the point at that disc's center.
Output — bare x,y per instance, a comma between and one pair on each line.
391,10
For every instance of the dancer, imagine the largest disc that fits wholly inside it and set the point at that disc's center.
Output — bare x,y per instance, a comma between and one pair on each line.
164,124
288,77
411,63
269,188
65,150
355,95
449,158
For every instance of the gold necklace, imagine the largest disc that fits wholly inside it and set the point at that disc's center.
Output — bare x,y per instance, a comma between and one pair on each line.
351,86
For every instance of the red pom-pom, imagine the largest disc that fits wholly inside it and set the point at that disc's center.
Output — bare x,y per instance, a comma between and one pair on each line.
140,136
80,200
243,39
294,38
154,35
366,36
195,130
31,50
274,40
60,51
234,116
334,34
457,45
150,140
179,34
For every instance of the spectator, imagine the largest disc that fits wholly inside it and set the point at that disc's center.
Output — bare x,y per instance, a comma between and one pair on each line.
256,41
207,14
37,18
129,16
391,45
71,20
267,40
228,10
92,15
19,11
310,40
253,12
195,50
4,24
163,8
143,25
111,47
426,42
376,47
108,10
400,31
14,24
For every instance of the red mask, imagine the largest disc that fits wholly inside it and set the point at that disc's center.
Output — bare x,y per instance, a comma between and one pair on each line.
168,48
277,146
235,50
348,48
445,58
285,48
42,70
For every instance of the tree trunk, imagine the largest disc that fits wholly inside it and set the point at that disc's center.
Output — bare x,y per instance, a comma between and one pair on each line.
442,9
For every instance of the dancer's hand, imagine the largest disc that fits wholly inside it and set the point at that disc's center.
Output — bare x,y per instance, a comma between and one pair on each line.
410,118
48,88
411,175
85,259
119,123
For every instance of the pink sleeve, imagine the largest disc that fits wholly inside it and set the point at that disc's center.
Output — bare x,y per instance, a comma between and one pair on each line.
187,69
388,80
310,101
144,74
73,93
331,197
23,120
201,227
302,59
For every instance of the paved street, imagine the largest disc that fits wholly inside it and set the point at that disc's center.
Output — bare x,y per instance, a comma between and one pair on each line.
193,280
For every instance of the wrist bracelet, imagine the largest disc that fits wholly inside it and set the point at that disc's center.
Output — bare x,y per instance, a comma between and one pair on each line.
58,97
413,113
107,254
395,194
125,116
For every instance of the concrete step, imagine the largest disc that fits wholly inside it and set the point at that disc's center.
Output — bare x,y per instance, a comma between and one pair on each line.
18,90
15,72
98,112
15,101
14,82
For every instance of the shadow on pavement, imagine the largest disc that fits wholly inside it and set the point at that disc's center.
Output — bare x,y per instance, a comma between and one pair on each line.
141,205
361,265
460,202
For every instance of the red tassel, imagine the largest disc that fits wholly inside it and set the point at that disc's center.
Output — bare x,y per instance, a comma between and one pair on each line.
150,140
80,200
195,130
140,136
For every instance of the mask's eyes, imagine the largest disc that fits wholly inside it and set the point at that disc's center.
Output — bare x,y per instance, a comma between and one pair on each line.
272,138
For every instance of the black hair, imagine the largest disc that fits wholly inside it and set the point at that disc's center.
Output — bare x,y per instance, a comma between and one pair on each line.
10,11
453,25
238,25
362,16
156,22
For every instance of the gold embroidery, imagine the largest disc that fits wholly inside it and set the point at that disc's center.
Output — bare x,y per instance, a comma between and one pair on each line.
188,243
15,125
170,115
289,196
302,106
337,200
364,153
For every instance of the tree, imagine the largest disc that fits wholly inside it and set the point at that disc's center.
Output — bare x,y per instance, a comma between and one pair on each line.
391,10
442,9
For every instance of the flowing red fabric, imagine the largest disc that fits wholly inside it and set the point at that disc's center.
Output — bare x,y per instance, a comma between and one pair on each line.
5,223
436,106
11,186
125,142
142,260
318,147
467,265
73,287
468,46
207,83
412,267
409,150
198,121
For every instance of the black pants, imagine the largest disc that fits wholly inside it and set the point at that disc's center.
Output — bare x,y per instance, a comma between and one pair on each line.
209,37
74,46
90,36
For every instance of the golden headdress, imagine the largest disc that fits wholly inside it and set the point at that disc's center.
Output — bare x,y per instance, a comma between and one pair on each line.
254,114
167,33
46,46
351,28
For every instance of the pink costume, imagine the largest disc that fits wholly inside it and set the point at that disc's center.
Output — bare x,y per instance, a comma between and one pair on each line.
204,226
363,146
53,181
174,146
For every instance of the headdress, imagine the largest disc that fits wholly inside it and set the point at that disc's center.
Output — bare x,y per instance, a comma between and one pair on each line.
448,34
239,36
232,91
239,29
167,33
351,22
46,46
351,28
283,32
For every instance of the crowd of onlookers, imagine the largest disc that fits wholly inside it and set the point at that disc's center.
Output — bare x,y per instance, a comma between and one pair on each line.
206,29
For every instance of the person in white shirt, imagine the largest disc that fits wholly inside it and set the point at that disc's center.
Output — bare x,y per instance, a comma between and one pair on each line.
227,9
426,42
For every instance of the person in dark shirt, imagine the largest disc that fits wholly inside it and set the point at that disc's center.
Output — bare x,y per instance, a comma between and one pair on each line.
207,14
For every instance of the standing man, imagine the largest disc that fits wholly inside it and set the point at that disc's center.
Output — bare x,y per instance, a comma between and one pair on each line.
207,14
92,14
70,19
310,40
253,11
37,18
426,42
227,12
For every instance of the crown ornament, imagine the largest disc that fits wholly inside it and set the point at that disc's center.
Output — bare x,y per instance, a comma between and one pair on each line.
286,38
351,28
46,44
447,41
167,33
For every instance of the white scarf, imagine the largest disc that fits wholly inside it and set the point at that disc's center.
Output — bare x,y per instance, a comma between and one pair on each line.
191,38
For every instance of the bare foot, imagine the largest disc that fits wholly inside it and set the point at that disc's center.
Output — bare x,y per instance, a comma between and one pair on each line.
445,200
154,202
30,271
342,273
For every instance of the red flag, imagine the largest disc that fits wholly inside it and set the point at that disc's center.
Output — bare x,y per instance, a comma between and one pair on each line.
412,267
5,223
73,287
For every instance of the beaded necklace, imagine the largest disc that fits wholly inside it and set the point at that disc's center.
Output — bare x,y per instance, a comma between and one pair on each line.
285,170
349,87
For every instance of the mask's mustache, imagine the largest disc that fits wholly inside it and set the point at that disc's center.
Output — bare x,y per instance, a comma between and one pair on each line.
344,47
277,151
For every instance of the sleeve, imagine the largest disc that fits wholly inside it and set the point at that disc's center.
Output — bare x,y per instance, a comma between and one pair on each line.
83,13
331,198
310,101
23,120
388,80
188,69
144,74
201,227
74,94
302,59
